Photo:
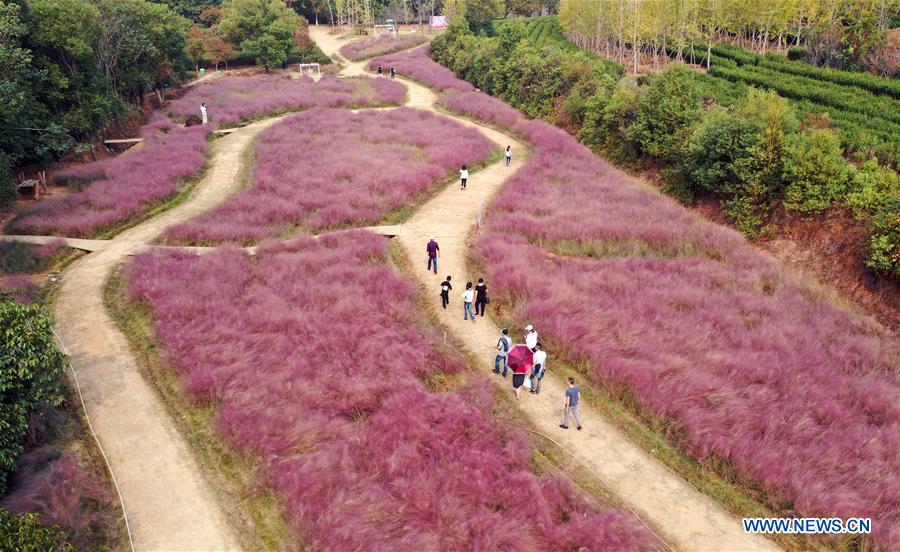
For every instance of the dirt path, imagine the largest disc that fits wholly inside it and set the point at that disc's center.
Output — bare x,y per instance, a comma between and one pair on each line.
169,503
685,518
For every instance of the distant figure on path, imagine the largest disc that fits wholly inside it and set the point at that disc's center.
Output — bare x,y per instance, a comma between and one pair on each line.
540,365
393,73
379,71
445,292
573,397
432,248
531,338
203,113
468,296
463,177
503,347
508,154
481,296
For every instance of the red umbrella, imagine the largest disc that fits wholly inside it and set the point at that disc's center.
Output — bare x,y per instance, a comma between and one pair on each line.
520,359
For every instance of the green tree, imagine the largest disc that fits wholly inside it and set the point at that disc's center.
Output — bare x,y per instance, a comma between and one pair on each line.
8,190
884,246
480,13
666,113
815,171
270,51
263,27
31,368
24,533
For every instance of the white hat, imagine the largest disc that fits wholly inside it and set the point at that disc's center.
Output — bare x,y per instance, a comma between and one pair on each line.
431,238
529,327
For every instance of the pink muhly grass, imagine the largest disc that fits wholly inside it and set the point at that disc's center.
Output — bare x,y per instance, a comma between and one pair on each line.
55,485
748,364
325,168
417,65
315,357
381,45
233,99
123,186
482,107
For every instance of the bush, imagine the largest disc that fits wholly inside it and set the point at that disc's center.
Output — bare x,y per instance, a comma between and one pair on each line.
815,172
665,114
8,190
25,533
884,246
30,370
871,188
798,54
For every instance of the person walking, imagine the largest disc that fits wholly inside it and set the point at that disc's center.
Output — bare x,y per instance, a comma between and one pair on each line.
508,154
468,296
503,346
432,249
573,397
393,73
203,113
379,71
481,297
540,365
445,292
463,177
520,371
531,338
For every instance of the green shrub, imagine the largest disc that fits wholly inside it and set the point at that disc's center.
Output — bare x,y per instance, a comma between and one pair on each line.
24,533
665,114
815,171
8,190
31,368
798,53
884,246
871,188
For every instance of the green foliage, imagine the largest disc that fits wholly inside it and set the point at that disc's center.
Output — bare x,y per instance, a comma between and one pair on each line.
270,51
31,368
872,188
8,190
884,246
264,28
481,13
798,54
24,533
815,171
190,9
666,113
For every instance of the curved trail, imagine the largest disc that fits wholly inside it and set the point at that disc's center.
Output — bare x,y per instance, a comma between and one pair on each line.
170,504
685,518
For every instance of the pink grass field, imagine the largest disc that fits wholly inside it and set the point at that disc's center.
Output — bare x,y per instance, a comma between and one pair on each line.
747,363
481,106
381,45
121,187
233,99
315,358
416,65
326,168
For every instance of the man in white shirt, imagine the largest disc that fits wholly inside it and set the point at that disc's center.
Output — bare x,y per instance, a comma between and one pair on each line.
204,114
531,338
540,365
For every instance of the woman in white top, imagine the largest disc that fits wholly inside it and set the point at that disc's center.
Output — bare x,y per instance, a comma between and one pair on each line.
531,338
463,177
540,365
468,296
508,155
203,113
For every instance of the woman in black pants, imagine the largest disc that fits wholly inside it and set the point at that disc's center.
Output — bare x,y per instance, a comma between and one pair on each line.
481,297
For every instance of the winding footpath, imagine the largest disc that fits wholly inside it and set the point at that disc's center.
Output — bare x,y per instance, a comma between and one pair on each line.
682,516
169,502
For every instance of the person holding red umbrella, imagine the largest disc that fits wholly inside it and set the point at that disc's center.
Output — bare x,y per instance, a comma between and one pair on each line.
520,360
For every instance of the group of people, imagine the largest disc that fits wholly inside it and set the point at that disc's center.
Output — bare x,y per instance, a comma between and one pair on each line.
473,295
393,72
521,378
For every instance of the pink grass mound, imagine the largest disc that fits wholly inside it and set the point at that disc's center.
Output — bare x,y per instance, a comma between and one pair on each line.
325,168
234,99
121,187
482,107
315,358
381,45
416,64
747,364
